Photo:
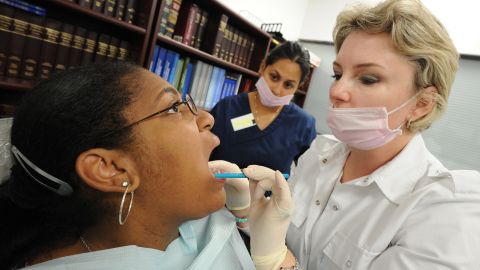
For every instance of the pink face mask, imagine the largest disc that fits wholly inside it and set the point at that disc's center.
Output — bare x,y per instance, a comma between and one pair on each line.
267,97
363,128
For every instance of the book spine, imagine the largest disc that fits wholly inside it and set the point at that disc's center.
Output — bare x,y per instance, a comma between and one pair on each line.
183,76
109,9
219,37
113,49
201,30
130,10
120,11
32,48
223,44
188,78
153,63
195,26
89,48
27,7
172,18
236,41
250,51
123,50
98,5
227,43
162,55
102,48
244,51
49,48
64,45
187,36
85,3
17,43
6,21
165,11
78,44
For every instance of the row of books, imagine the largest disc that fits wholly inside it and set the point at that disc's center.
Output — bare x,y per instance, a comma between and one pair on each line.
121,9
25,6
183,22
187,23
32,47
124,10
206,84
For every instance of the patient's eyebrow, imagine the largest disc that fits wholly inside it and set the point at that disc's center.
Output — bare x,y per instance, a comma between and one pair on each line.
167,90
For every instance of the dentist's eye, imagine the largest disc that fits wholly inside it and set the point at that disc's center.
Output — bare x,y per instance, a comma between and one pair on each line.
368,80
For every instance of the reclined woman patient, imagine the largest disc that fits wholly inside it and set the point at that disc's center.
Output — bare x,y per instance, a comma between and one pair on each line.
111,172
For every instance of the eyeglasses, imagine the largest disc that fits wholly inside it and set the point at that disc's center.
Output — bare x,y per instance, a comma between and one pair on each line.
188,101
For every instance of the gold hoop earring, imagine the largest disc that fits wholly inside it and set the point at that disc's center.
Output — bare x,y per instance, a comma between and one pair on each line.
121,220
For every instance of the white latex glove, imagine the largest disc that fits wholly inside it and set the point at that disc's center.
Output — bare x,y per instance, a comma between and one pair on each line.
269,217
237,189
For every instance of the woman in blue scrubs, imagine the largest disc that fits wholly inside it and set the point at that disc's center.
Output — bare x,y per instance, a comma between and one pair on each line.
263,127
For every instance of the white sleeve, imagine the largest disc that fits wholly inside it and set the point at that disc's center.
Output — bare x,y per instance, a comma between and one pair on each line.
441,234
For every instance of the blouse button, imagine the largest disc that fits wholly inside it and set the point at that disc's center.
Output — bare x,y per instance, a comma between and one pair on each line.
324,160
348,263
366,180
335,207
317,202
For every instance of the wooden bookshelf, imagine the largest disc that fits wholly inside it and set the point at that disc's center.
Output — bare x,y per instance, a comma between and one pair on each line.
215,9
200,55
142,36
301,93
137,34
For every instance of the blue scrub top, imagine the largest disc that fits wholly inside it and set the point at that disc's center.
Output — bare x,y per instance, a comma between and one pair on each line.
275,147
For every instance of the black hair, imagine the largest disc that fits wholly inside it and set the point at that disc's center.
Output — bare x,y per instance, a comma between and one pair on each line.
293,51
56,121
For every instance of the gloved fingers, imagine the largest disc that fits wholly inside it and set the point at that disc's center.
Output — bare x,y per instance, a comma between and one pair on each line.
281,195
239,184
262,186
259,173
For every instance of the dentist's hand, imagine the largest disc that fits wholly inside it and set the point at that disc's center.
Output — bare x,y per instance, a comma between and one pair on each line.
269,217
237,189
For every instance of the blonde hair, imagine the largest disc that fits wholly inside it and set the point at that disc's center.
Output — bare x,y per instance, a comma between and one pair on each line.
417,35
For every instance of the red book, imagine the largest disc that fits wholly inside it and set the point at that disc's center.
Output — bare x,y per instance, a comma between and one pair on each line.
185,23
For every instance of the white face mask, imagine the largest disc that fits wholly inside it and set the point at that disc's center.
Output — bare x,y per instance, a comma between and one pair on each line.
267,97
364,128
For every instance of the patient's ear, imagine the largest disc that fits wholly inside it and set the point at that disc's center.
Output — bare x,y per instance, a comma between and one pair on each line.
106,170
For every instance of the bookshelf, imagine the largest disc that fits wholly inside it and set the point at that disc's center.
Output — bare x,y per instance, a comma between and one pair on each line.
124,38
301,93
143,36
215,9
228,42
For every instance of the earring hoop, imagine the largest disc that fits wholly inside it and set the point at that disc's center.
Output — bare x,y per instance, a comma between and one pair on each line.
409,123
121,220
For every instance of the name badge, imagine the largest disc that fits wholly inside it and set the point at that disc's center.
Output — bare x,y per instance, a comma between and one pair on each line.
242,122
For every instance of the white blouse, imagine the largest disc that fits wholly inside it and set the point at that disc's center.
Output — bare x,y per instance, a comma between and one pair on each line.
411,213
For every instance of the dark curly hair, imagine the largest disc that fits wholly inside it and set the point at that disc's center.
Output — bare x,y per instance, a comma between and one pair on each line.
55,122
